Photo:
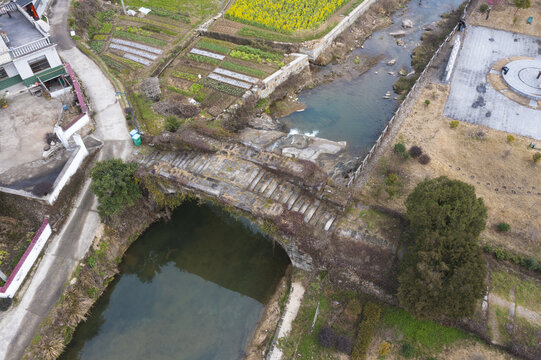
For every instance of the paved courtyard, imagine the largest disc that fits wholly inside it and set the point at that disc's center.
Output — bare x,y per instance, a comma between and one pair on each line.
23,125
473,100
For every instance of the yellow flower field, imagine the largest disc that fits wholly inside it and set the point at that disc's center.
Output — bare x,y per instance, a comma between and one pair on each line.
284,15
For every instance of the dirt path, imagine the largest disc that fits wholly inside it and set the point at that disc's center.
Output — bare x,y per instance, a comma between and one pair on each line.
520,311
292,308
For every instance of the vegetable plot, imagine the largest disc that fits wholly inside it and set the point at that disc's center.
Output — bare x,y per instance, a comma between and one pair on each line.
284,15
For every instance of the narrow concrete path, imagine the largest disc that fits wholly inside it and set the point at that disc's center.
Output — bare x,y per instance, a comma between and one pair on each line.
68,246
290,313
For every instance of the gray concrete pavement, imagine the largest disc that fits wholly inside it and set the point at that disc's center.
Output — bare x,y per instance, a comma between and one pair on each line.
69,245
474,100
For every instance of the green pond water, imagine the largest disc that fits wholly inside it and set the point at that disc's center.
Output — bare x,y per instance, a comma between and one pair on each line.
192,288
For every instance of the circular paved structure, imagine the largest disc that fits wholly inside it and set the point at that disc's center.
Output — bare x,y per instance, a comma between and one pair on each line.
524,77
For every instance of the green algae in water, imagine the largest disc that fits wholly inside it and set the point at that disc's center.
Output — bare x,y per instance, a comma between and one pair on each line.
192,288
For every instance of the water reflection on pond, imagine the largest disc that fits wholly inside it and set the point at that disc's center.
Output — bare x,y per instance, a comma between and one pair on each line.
192,288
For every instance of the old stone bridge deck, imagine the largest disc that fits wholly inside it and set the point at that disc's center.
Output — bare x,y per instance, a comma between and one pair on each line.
242,177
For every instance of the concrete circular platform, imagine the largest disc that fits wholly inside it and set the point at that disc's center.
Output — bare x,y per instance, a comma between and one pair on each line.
524,77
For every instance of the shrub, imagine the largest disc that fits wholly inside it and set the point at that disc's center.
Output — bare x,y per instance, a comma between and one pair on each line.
415,151
453,123
405,155
113,182
327,337
172,123
43,188
424,159
399,148
504,227
510,138
344,344
427,102
5,303
536,157
353,310
391,179
483,8
407,350
384,349
371,316
189,110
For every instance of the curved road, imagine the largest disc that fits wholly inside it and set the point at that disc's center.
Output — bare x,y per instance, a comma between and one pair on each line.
68,245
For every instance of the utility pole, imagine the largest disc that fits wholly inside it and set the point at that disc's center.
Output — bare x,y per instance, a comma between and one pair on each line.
123,7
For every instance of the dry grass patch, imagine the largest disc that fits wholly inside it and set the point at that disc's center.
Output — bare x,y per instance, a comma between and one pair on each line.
502,172
506,17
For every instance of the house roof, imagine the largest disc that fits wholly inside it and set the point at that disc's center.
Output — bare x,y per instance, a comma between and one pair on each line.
19,29
23,2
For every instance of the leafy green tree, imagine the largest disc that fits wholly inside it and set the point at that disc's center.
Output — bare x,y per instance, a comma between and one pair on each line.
442,275
445,206
113,182
444,272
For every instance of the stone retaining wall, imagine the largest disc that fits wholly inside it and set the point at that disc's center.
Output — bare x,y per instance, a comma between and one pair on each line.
278,78
26,262
404,109
328,39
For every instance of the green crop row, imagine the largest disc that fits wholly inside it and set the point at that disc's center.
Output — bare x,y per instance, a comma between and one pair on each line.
97,46
263,54
132,64
173,28
203,44
100,37
157,29
106,28
114,65
243,69
237,54
225,88
139,38
183,75
202,59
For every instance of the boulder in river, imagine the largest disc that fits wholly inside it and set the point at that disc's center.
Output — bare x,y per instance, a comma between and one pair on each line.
398,33
407,23
391,62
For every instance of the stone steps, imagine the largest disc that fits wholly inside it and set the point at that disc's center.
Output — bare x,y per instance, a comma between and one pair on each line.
243,183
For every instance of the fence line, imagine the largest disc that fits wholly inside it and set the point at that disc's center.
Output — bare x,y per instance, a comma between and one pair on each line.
408,101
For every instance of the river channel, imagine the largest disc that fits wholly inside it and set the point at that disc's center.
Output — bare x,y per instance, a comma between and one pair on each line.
354,110
192,288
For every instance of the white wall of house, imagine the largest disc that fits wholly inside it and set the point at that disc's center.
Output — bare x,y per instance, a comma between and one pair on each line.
10,69
21,64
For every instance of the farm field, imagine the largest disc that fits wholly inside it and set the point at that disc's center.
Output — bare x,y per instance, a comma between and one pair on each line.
210,75
215,73
127,43
284,20
199,8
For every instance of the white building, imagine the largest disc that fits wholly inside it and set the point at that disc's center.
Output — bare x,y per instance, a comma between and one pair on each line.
27,54
34,8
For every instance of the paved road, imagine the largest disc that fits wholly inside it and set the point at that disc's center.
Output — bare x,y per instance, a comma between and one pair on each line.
69,244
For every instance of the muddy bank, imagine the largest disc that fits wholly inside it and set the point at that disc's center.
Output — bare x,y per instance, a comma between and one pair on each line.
270,317
90,280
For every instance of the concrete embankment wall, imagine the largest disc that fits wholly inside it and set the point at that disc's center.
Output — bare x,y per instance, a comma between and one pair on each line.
328,39
278,78
312,52
361,174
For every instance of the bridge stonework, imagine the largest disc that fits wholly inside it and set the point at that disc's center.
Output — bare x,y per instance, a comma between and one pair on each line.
308,222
